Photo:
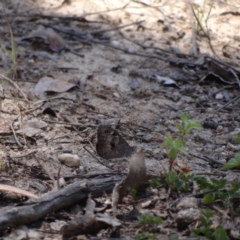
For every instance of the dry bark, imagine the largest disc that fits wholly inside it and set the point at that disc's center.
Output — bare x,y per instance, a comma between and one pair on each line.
35,209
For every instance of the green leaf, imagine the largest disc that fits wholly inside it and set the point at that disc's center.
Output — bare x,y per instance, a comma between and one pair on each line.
172,154
178,143
168,142
184,118
220,234
207,213
155,183
173,237
193,124
202,182
233,162
174,181
218,184
183,150
180,128
237,139
236,186
208,199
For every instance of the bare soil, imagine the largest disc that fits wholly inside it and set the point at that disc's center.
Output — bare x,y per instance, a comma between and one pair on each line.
145,75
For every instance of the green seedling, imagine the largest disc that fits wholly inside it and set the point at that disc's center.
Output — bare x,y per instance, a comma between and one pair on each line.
155,183
11,54
173,147
133,193
187,125
206,229
173,237
145,235
233,162
177,145
149,219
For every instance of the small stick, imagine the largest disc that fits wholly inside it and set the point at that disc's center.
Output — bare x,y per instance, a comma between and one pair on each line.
44,168
233,100
25,155
65,117
14,133
15,85
67,123
58,177
97,159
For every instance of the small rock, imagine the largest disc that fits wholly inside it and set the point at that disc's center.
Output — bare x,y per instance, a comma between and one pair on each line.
187,99
187,216
146,138
116,95
235,233
188,202
219,129
204,135
218,96
221,139
156,88
209,123
134,84
146,204
71,160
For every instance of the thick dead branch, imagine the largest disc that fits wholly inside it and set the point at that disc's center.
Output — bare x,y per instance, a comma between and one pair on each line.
36,209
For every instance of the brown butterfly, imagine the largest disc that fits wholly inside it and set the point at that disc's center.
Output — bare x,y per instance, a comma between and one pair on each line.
110,144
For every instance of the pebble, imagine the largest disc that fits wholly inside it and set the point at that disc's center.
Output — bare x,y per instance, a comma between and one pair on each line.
218,96
188,202
71,160
134,84
116,95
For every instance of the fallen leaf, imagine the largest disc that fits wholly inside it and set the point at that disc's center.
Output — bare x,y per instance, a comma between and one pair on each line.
48,84
33,127
136,176
48,36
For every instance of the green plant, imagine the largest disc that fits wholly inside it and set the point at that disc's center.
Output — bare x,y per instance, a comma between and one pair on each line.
145,235
177,145
11,55
233,162
187,125
173,237
149,219
206,229
133,193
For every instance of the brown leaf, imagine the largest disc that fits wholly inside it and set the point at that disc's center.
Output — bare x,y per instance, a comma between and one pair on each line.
136,176
48,84
50,37
56,43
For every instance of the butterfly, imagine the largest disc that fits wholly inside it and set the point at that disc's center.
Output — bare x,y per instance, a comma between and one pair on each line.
110,144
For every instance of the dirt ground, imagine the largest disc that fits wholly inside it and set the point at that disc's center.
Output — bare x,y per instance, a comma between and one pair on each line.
145,74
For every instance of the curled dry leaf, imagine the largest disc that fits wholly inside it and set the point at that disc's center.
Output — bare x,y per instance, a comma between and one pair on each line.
48,84
71,160
115,198
22,192
50,37
136,176
33,127
89,223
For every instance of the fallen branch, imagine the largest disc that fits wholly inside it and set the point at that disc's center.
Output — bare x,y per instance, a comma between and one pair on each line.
35,209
